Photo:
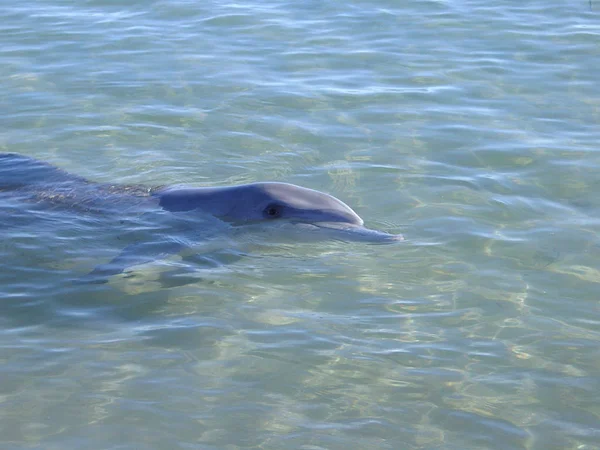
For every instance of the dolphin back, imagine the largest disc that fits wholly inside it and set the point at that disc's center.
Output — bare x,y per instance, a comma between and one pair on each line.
17,171
38,182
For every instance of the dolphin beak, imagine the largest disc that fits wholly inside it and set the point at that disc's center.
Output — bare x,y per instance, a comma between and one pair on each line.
358,233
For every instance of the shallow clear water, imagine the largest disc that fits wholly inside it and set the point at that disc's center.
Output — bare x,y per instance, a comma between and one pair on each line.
470,127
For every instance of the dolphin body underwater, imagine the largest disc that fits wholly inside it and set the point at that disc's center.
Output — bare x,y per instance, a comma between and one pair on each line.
183,212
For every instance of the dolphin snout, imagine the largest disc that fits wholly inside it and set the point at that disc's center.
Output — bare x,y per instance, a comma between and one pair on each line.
358,233
341,217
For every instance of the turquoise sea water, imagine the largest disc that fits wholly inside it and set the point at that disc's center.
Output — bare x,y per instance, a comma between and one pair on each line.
471,127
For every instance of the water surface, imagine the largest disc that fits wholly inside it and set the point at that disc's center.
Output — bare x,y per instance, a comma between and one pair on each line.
470,127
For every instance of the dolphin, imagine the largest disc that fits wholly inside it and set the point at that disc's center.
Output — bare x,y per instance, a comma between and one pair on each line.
182,214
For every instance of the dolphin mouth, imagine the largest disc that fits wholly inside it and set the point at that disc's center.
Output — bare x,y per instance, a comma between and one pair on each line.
351,232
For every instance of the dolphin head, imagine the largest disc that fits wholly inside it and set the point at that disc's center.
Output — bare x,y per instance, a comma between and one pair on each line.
275,202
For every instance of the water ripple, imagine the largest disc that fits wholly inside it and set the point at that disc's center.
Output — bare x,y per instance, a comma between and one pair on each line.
470,127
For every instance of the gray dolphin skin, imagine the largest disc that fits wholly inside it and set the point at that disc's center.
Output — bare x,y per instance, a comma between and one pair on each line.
305,211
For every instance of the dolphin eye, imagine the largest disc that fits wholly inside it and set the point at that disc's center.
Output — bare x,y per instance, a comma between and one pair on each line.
272,211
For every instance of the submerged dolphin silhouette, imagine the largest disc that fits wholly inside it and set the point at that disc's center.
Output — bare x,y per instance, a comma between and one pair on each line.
303,210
